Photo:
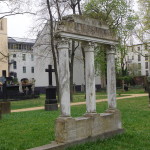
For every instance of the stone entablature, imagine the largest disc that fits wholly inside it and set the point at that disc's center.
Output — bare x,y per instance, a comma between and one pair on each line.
74,26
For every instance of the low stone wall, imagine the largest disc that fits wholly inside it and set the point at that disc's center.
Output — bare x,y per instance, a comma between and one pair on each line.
90,125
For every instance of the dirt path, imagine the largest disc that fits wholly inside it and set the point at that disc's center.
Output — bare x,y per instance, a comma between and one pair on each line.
80,103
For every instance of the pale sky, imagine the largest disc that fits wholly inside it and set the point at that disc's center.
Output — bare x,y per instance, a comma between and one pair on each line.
21,25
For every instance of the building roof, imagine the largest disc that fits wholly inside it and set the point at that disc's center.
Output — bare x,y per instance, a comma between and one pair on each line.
20,40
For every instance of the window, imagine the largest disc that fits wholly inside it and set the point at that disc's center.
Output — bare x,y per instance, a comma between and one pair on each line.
132,48
146,72
139,73
146,65
14,55
24,47
24,57
14,65
14,46
32,69
19,46
32,57
139,65
146,57
139,57
24,69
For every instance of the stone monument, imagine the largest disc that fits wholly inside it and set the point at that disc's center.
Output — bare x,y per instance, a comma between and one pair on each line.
51,101
4,104
92,125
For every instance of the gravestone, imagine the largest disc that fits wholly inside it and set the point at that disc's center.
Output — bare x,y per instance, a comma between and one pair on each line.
51,101
4,104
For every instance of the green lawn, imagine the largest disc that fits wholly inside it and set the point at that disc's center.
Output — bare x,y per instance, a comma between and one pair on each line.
28,103
40,101
20,131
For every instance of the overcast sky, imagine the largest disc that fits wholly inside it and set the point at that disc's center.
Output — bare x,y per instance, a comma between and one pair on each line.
21,26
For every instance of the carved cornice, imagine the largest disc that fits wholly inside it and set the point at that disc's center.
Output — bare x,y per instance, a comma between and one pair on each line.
111,50
63,43
88,46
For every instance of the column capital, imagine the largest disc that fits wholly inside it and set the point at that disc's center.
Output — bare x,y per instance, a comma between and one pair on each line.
62,42
111,49
88,46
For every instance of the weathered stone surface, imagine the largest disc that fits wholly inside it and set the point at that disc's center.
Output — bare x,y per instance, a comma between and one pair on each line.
5,107
90,78
111,78
64,77
72,129
84,26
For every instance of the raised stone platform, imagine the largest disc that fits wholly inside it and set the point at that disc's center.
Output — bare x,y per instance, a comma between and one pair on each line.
51,107
5,107
62,146
70,131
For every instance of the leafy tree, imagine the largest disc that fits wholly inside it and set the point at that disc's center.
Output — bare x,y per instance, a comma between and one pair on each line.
121,20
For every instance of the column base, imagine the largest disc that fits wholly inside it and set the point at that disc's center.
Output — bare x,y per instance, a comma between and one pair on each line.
90,125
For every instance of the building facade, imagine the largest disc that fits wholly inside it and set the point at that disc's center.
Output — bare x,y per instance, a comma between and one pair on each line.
3,46
138,59
43,58
21,58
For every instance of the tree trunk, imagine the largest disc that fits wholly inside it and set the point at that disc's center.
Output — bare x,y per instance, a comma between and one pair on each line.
53,47
83,54
71,70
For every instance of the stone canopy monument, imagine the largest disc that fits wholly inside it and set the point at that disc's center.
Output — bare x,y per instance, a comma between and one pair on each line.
91,125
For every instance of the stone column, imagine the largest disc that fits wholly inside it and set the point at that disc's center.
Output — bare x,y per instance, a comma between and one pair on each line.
64,77
111,78
90,78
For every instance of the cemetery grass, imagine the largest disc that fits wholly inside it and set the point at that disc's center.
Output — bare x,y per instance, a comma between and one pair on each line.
28,103
40,101
20,131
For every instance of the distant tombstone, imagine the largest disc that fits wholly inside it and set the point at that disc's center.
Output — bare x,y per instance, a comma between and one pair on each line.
51,101
20,87
33,85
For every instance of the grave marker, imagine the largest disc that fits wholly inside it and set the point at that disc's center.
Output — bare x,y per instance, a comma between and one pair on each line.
4,105
50,102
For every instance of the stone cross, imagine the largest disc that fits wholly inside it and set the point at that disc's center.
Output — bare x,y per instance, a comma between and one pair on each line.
50,70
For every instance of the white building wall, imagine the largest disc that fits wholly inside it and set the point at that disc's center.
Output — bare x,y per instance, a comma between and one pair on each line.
28,63
136,51
43,57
